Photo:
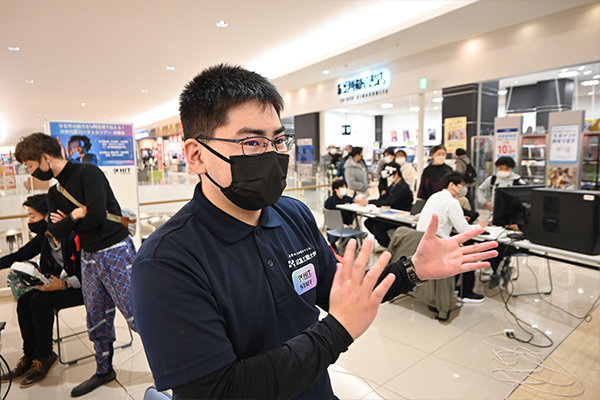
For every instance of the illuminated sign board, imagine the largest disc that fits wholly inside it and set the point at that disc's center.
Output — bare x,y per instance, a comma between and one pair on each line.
365,85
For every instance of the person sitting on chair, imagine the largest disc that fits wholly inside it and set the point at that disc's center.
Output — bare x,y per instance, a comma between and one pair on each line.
35,308
339,196
397,195
445,204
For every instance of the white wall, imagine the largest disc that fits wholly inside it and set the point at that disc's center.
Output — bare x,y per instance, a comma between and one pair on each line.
363,129
564,39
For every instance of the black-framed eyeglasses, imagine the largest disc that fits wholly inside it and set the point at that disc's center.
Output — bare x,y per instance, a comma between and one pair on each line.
257,145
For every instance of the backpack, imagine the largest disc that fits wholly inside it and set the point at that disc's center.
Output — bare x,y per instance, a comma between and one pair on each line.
470,173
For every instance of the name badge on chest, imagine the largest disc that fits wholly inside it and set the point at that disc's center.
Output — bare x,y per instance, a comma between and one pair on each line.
304,279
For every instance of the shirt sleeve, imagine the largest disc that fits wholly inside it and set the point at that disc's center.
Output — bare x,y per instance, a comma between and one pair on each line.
279,373
27,252
482,190
63,228
457,218
94,188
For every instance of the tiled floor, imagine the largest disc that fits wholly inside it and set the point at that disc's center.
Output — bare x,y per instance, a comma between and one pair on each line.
405,354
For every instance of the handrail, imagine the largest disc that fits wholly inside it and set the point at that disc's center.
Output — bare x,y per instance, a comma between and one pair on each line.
152,203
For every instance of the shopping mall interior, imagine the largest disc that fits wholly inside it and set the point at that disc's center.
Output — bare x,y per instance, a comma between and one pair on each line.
497,78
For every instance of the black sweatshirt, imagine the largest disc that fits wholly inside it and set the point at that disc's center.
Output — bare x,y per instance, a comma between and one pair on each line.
291,368
88,185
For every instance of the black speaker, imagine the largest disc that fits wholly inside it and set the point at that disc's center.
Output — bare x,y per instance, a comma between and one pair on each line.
566,219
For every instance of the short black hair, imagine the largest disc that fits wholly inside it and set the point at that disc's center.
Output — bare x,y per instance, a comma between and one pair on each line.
83,140
436,148
390,151
506,161
455,177
31,148
355,151
338,184
207,99
38,202
460,152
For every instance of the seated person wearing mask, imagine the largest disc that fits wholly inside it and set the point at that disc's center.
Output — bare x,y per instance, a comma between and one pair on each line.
397,195
245,267
35,308
388,157
445,204
339,196
504,177
409,174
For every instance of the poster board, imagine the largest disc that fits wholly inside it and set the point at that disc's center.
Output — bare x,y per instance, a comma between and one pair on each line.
7,177
507,131
455,134
111,147
564,142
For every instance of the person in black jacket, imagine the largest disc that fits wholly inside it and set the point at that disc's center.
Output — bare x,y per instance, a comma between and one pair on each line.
60,260
397,195
107,249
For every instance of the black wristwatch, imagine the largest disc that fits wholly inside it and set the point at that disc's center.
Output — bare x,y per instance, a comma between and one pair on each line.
66,283
410,271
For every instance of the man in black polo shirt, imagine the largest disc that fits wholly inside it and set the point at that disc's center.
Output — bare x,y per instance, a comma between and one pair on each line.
225,292
107,249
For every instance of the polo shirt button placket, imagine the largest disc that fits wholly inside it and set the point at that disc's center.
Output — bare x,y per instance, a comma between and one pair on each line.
270,263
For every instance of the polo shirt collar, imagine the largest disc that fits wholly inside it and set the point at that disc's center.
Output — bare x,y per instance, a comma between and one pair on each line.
224,225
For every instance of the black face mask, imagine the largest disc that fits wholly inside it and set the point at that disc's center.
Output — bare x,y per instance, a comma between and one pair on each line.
38,227
256,181
43,175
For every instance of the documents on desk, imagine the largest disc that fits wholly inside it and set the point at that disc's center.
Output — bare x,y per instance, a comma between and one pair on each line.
372,211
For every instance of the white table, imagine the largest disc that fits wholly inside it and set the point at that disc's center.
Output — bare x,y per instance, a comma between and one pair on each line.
369,211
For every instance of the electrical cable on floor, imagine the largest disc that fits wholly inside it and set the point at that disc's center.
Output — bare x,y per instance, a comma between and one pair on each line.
587,317
3,360
506,361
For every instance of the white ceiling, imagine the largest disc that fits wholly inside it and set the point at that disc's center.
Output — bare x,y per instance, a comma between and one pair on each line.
105,52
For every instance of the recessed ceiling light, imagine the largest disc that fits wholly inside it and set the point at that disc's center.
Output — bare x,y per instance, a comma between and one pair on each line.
82,104
596,77
591,93
588,72
437,99
144,90
344,110
170,68
435,91
413,109
386,105
222,24
568,74
326,72
14,48
515,81
581,68
591,82
436,108
502,92
564,70
29,81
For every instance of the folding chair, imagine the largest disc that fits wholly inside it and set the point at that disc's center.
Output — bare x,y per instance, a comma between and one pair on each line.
59,339
335,228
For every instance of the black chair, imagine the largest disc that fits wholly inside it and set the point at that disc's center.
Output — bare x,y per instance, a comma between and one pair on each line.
59,339
335,227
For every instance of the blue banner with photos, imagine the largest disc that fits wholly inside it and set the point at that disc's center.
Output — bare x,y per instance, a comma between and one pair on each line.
95,143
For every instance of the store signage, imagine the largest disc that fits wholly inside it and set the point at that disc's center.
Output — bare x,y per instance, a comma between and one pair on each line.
564,143
95,143
507,142
366,85
455,133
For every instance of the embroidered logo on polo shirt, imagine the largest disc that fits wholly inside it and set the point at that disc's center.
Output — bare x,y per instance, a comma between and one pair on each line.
300,257
304,278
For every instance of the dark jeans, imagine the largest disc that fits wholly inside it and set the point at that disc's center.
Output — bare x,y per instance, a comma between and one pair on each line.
468,283
379,229
35,310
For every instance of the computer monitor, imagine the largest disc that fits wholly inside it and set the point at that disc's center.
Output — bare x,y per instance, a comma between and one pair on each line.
566,219
512,206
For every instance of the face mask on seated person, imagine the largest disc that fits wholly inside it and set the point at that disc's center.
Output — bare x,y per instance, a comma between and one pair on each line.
503,174
38,227
343,191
